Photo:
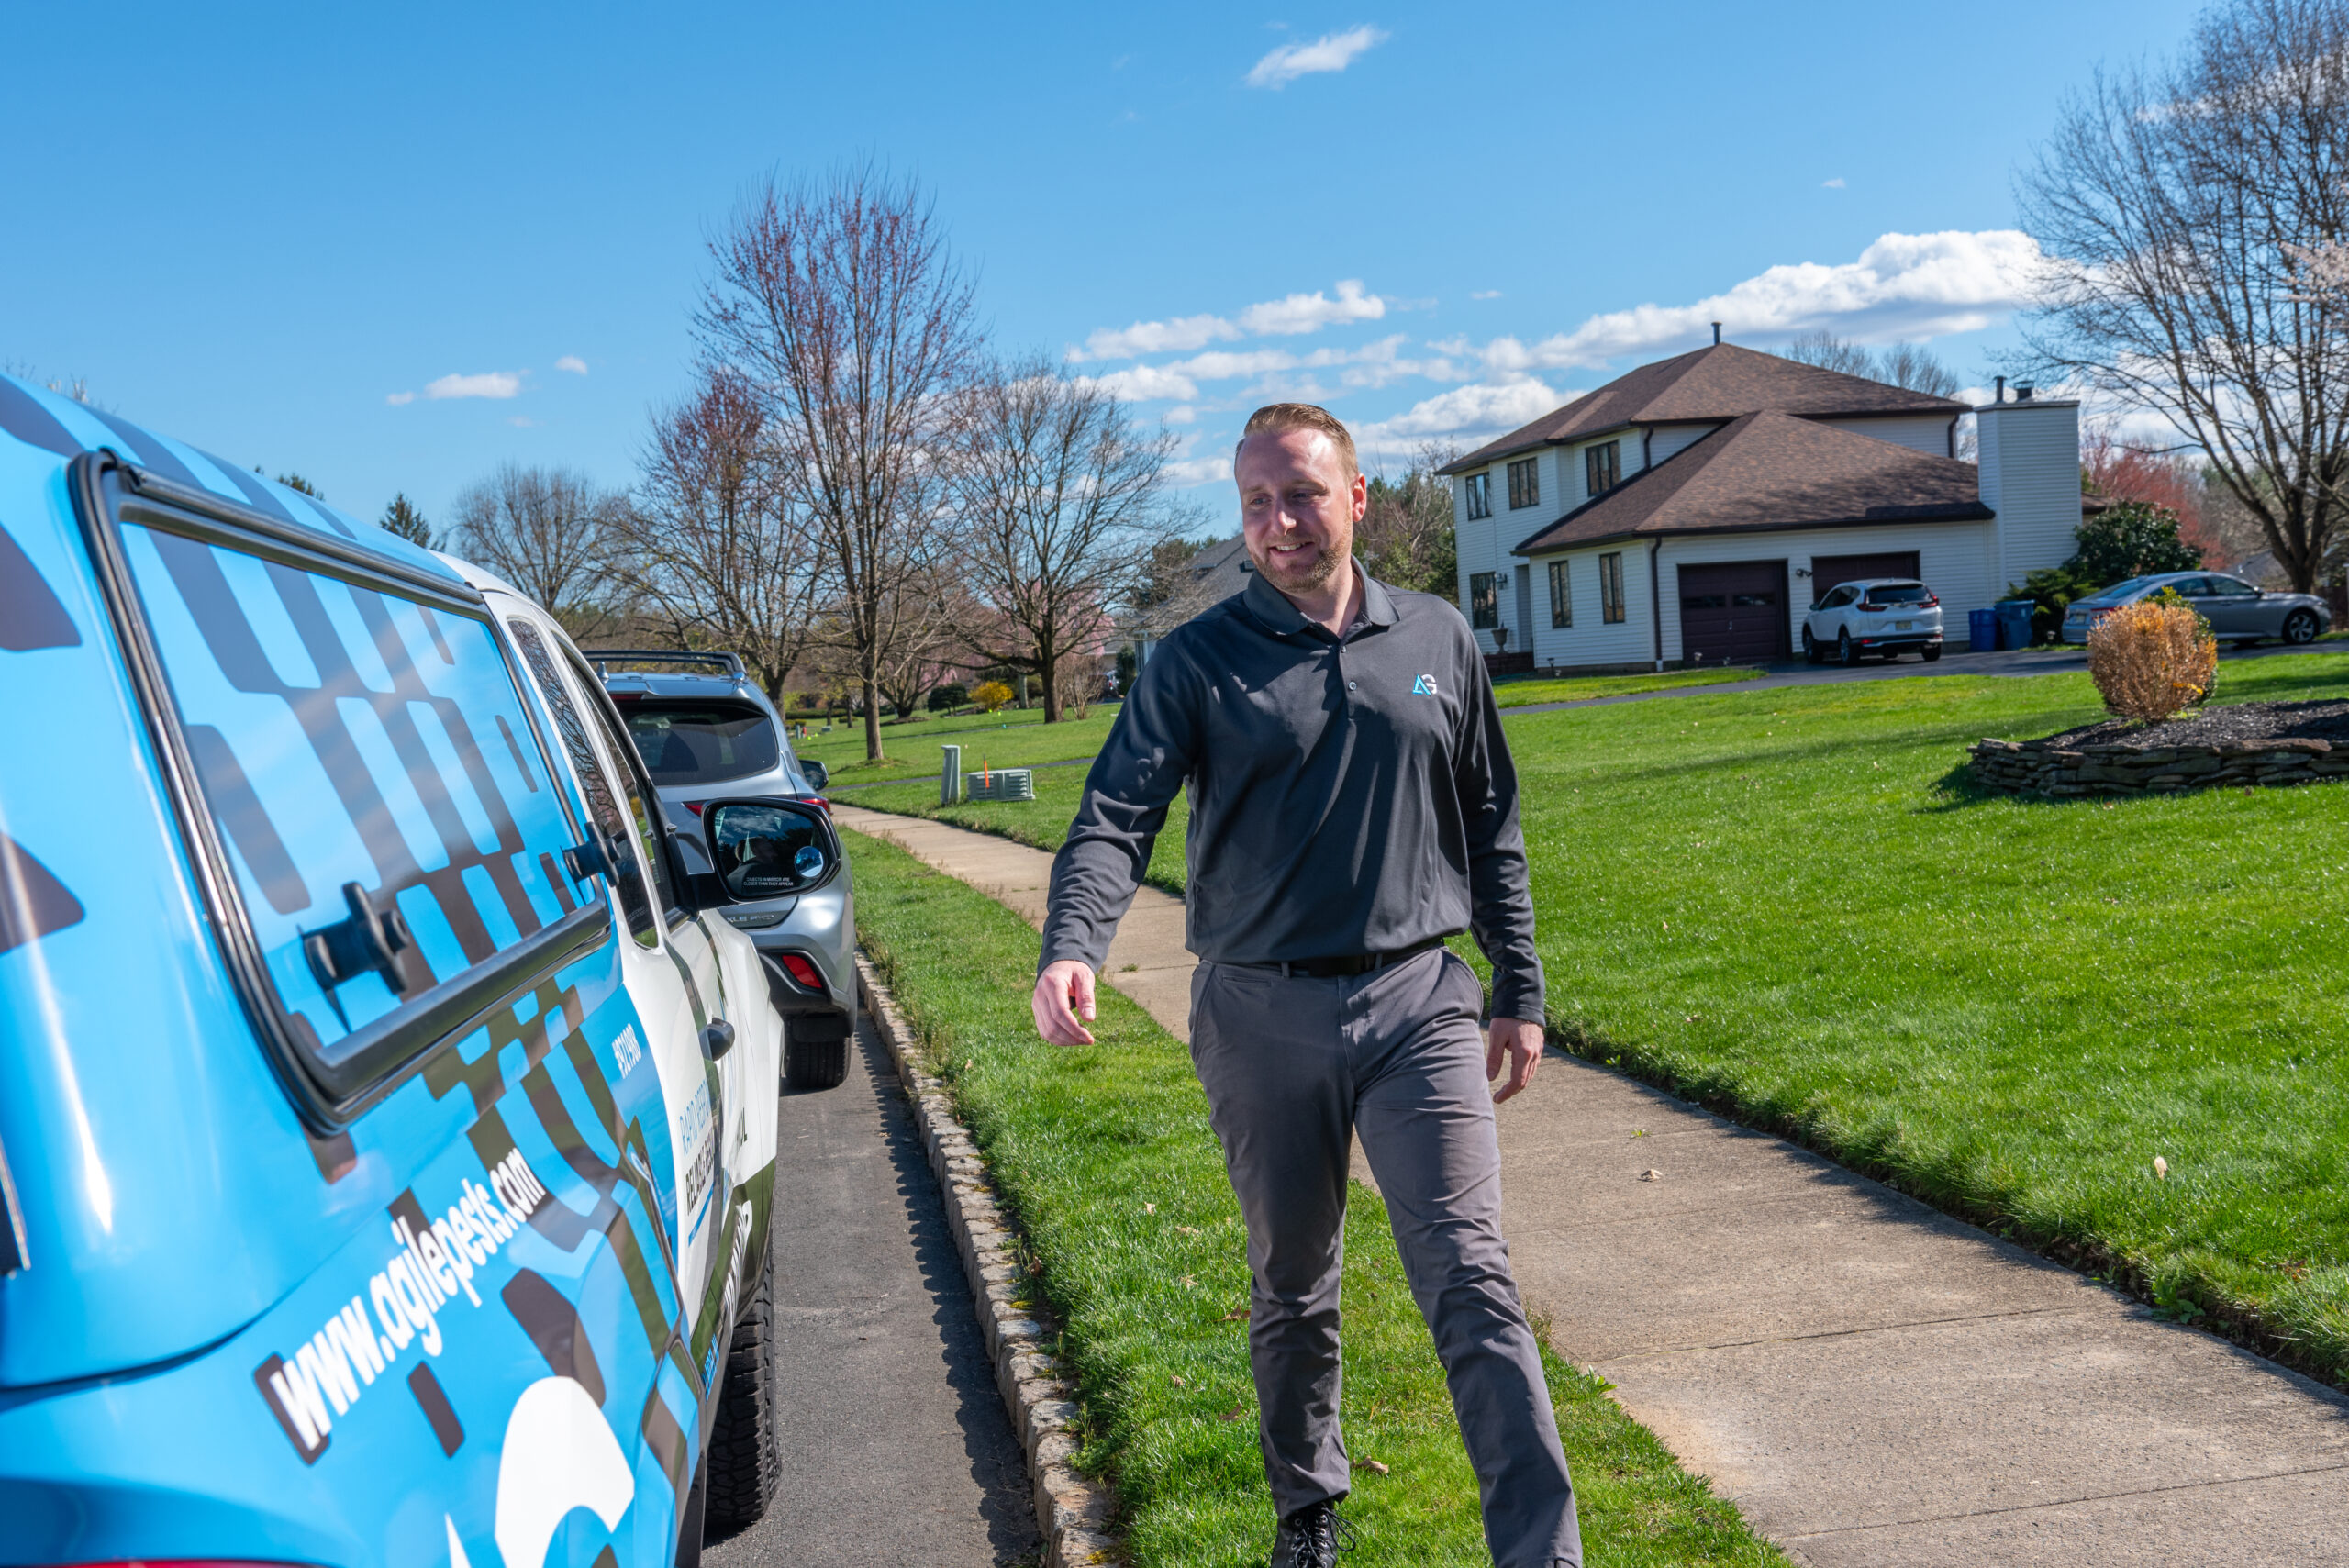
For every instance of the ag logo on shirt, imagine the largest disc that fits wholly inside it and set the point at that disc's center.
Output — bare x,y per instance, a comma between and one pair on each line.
1424,686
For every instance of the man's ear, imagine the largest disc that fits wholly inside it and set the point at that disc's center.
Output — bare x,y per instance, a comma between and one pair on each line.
1361,497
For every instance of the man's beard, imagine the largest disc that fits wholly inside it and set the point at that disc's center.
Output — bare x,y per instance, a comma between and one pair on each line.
1303,579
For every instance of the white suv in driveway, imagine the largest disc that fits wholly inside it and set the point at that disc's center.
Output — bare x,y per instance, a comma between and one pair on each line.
1891,615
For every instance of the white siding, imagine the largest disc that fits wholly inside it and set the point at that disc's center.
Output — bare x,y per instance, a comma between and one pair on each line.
2031,477
1958,561
1668,440
1483,543
1927,433
1590,640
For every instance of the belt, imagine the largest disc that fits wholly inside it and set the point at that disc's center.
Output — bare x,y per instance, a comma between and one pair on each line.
1345,964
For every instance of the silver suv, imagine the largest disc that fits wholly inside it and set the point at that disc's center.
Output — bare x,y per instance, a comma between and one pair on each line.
731,786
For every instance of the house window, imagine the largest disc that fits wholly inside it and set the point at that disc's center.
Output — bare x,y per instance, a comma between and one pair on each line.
1484,602
1480,496
1602,467
1610,587
1524,483
1561,598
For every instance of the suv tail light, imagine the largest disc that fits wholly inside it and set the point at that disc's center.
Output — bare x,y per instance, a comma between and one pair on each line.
799,968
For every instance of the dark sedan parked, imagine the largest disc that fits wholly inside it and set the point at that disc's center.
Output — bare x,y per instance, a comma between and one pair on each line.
2237,612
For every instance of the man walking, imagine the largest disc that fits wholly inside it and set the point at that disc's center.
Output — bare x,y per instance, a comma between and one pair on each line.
1353,804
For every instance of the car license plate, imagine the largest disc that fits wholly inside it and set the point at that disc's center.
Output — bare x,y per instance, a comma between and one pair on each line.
1904,626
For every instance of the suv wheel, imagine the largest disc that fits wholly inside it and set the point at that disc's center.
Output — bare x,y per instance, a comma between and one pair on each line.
744,1464
1844,653
813,1064
1812,653
2300,627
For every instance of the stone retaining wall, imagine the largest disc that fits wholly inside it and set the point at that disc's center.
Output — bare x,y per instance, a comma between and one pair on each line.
2037,767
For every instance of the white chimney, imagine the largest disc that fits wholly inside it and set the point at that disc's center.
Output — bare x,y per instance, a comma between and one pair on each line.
2031,478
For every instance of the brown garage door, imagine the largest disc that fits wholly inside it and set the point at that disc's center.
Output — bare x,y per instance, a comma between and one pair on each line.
1826,571
1733,614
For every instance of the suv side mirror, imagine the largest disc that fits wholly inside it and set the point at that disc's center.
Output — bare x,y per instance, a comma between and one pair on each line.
767,850
818,774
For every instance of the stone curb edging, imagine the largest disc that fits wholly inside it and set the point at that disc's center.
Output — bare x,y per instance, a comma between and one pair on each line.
2035,766
1072,1512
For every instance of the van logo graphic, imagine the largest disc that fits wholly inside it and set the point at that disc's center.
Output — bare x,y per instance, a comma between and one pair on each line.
1424,686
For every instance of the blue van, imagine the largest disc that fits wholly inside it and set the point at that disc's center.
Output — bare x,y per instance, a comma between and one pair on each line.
386,1143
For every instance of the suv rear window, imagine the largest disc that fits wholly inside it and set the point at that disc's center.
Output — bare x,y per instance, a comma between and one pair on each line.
702,742
1897,594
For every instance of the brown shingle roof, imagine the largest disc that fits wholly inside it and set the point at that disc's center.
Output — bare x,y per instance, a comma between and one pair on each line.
1771,471
1717,382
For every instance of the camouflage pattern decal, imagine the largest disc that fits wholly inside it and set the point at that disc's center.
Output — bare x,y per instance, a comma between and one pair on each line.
301,694
33,902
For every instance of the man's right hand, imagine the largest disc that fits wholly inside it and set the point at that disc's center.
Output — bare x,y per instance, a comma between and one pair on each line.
1064,995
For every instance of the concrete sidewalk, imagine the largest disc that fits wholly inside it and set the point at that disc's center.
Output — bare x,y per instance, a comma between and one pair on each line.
1874,1383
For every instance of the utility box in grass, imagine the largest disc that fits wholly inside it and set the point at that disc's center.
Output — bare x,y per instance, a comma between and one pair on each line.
999,784
950,777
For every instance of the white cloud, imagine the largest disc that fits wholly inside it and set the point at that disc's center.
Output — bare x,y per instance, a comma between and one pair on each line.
1903,288
573,363
521,423
1181,414
1222,364
1474,411
1179,336
1311,312
1484,294
1144,382
397,398
490,383
1834,185
1330,51
1199,471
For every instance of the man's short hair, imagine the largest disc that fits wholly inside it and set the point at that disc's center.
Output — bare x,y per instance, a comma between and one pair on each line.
1279,417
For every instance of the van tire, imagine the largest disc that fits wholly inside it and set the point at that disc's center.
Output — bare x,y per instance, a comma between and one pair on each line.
744,1464
814,1063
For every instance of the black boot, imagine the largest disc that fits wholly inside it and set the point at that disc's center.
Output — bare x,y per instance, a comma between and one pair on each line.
1311,1537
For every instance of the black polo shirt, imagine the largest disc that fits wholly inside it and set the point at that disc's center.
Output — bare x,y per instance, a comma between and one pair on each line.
1348,795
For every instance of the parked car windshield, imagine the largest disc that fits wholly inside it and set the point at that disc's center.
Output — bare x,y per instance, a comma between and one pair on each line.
1898,594
702,742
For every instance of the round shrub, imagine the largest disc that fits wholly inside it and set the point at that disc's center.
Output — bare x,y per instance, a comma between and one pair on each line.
2150,660
991,694
947,698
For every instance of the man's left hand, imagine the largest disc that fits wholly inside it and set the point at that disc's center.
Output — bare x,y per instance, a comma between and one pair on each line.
1521,1043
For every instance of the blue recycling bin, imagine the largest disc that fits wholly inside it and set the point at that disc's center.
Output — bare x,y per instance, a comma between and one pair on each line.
2014,623
1981,631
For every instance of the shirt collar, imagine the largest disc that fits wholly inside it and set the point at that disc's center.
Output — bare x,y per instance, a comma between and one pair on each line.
1274,608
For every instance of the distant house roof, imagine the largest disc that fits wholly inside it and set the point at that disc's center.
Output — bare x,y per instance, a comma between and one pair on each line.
1221,568
1769,471
1716,382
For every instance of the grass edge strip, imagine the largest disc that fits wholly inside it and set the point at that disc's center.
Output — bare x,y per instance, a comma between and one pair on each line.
1071,1511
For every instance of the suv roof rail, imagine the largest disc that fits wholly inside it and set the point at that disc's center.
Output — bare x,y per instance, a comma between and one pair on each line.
603,658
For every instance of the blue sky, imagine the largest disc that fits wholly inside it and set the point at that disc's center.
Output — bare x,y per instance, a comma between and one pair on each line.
256,228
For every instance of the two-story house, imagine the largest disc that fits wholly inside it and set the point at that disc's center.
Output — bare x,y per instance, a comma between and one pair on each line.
1693,510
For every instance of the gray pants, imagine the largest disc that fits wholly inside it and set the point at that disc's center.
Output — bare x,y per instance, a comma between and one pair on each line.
1294,1067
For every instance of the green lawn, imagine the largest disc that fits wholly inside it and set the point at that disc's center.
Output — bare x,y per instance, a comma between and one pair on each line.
1105,1157
1519,691
1011,739
1793,904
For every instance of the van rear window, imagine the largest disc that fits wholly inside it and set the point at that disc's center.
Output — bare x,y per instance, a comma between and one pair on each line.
701,742
346,736
1898,594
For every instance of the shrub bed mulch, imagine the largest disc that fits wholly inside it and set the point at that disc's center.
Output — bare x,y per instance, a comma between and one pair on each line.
2251,744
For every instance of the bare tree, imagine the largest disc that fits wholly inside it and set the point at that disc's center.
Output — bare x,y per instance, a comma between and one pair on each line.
837,300
1917,369
549,531
1907,365
714,546
2178,206
1061,500
1829,352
